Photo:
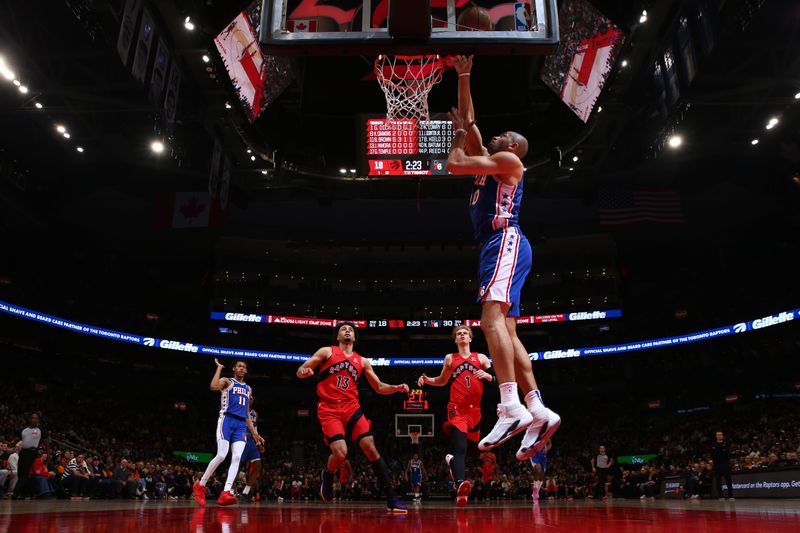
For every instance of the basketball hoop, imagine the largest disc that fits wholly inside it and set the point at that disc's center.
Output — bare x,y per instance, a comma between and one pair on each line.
406,82
414,436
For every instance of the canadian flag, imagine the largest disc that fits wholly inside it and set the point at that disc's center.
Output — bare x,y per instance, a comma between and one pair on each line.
188,210
301,25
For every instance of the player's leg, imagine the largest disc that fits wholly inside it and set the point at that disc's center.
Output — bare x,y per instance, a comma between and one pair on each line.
367,444
238,442
338,455
223,445
251,460
513,418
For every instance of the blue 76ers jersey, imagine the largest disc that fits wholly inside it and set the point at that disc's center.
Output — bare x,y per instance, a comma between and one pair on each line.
235,399
494,206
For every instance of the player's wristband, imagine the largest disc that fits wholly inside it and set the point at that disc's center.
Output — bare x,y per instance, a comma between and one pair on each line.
462,130
463,74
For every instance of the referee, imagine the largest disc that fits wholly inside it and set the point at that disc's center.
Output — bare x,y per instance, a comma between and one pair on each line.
31,437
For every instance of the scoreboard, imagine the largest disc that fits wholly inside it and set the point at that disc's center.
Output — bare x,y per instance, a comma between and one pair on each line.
406,147
395,324
415,401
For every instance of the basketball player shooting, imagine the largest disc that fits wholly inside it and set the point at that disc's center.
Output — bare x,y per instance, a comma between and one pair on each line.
232,428
339,411
466,371
505,262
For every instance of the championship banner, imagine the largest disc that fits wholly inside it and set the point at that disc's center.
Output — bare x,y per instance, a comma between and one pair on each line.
141,58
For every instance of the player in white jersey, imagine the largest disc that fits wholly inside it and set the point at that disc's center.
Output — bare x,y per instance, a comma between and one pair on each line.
232,427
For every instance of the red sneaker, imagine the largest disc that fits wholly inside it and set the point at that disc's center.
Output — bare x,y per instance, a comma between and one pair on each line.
463,493
199,492
226,498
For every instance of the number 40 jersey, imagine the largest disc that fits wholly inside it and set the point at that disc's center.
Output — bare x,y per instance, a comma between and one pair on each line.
338,378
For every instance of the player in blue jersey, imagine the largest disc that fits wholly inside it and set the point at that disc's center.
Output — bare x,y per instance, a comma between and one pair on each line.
251,459
505,262
232,427
539,464
414,474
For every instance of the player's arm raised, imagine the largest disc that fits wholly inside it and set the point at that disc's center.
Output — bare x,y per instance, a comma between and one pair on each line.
505,165
306,370
474,141
379,386
218,383
486,365
442,378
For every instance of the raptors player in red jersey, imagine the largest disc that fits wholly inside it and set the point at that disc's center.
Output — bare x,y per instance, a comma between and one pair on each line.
339,411
465,371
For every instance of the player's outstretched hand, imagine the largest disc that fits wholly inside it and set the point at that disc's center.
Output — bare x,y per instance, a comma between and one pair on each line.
305,373
461,64
456,119
403,388
216,361
259,439
481,374
422,380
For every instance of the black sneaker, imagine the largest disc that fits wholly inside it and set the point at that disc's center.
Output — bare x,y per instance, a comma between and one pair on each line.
326,490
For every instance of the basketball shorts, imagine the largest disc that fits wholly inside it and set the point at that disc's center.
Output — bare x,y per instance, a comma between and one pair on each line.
506,259
340,421
231,429
487,474
541,460
465,418
251,452
416,479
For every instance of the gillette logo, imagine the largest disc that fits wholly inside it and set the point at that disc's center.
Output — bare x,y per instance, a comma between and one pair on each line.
587,316
561,354
380,361
772,320
175,345
240,317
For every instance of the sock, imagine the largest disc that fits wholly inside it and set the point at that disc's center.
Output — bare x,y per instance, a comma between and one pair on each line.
534,401
458,441
508,393
382,473
246,489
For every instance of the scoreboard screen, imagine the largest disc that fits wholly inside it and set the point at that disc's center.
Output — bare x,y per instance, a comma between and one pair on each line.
415,402
405,147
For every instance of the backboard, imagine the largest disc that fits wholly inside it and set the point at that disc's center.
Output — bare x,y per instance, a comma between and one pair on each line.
423,423
360,27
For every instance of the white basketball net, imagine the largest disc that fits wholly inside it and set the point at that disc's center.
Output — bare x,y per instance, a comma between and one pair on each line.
406,82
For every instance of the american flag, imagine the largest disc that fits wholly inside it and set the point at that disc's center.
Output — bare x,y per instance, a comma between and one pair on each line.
618,207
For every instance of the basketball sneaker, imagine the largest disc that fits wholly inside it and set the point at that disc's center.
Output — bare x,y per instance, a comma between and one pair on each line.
462,496
539,432
535,493
326,490
511,420
199,492
394,506
226,498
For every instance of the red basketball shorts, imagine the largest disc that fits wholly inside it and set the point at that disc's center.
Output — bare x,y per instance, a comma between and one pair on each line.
466,418
340,421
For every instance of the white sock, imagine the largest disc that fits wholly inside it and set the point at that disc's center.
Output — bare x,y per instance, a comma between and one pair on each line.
508,393
246,489
534,401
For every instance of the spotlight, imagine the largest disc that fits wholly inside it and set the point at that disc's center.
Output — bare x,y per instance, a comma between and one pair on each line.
571,169
37,105
797,96
80,149
252,158
352,171
342,171
188,24
227,105
60,128
206,59
772,123
600,109
264,172
575,159
16,83
23,89
624,63
643,18
249,151
157,146
675,141
5,71
67,135
754,142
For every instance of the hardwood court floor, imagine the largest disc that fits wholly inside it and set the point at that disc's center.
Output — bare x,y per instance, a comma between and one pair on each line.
78,516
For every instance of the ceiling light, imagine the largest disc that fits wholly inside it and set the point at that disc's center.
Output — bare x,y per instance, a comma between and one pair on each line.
643,18
754,142
206,59
600,109
188,24
80,149
675,141
265,173
249,151
352,171
38,105
772,123
227,105
797,96
157,146
342,171
17,83
67,135
624,63
60,128
23,89
575,159
5,71
571,169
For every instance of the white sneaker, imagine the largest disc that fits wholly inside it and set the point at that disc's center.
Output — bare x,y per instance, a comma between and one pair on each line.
511,420
447,459
537,435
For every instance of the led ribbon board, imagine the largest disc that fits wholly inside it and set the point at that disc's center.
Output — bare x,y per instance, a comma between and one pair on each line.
166,344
